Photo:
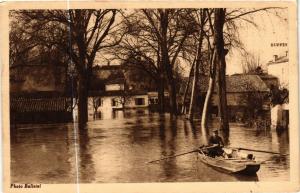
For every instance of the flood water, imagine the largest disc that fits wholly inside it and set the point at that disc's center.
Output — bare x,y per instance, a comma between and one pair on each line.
118,149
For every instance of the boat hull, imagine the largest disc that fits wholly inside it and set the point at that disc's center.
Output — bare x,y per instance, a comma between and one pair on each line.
251,169
245,167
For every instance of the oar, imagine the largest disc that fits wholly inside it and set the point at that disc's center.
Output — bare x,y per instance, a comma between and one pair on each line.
172,156
258,150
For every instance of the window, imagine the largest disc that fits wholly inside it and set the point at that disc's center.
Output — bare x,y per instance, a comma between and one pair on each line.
139,101
114,102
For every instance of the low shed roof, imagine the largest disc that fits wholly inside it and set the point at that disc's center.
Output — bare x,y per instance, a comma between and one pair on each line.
239,83
38,104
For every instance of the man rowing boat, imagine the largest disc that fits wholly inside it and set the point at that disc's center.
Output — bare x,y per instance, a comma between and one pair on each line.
215,145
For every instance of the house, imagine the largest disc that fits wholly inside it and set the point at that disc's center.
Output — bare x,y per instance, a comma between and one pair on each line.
37,94
279,67
40,109
113,93
246,97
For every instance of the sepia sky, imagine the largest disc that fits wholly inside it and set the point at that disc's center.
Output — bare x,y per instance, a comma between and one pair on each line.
270,29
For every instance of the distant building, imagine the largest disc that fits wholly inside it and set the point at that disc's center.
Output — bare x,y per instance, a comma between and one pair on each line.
113,92
279,67
37,94
246,94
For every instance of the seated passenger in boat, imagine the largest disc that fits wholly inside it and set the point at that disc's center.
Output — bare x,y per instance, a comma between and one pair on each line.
215,145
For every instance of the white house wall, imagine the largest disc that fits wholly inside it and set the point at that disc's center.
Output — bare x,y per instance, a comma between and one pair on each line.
106,107
131,101
281,71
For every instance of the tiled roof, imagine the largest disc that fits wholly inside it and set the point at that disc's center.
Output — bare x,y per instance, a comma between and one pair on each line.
238,83
267,76
38,104
38,94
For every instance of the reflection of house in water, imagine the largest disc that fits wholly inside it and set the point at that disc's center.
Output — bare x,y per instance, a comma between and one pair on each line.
37,94
279,67
246,97
111,91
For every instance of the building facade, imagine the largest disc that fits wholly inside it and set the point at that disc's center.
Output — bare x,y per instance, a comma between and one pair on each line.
247,98
115,93
279,67
37,94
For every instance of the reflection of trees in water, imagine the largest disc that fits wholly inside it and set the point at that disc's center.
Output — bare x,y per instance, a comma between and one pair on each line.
117,114
86,170
194,129
185,128
189,125
283,143
167,125
97,115
50,148
173,126
151,117
168,145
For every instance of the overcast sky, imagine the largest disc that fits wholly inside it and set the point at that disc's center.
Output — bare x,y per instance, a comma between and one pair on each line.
271,29
257,40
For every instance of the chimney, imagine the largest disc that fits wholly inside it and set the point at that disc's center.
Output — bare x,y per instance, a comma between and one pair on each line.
108,63
275,57
286,53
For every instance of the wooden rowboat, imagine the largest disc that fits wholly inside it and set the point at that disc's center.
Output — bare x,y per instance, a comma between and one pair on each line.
234,163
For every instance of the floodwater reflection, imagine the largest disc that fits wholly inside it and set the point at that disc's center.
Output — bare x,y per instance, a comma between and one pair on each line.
117,149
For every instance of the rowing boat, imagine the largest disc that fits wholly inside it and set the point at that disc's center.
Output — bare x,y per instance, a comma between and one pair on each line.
232,161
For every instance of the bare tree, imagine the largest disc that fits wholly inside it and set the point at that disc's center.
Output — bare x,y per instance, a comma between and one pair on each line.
81,34
225,30
171,28
199,39
251,63
154,42
212,75
140,50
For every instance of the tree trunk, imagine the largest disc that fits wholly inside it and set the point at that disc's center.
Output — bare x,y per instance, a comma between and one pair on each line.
221,67
173,98
161,95
82,101
166,61
187,88
210,90
194,93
